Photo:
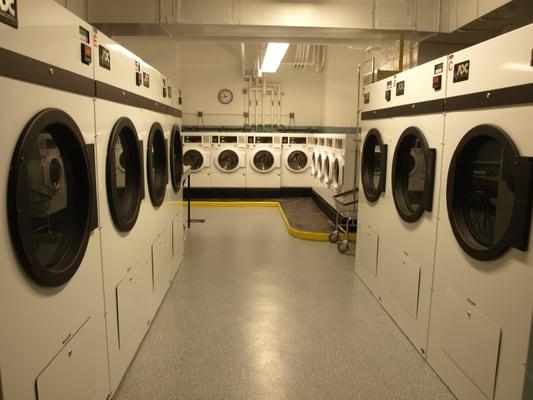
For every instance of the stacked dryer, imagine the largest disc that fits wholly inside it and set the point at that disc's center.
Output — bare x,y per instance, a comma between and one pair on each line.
136,238
263,168
398,230
197,155
296,161
52,339
481,320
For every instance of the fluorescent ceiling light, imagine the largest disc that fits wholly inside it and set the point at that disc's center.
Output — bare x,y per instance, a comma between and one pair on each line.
273,56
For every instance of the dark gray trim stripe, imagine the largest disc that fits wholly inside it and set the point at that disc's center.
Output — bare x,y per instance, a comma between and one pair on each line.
17,66
269,129
174,112
27,69
421,108
509,96
112,93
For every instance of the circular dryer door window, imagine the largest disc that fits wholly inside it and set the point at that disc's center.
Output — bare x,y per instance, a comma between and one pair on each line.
412,175
489,193
263,161
325,171
51,199
157,165
336,173
374,165
319,166
124,175
194,159
176,158
297,161
228,160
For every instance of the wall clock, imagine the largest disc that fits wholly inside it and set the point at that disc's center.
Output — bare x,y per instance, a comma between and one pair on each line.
225,96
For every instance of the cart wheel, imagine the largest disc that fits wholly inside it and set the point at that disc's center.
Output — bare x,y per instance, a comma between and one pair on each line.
334,237
343,247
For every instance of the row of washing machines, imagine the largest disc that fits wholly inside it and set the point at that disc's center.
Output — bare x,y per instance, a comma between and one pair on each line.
91,231
269,160
445,219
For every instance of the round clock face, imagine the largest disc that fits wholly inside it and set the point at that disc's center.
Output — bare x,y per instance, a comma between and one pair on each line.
225,96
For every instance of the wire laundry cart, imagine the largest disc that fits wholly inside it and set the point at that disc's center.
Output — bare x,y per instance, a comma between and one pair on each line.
346,206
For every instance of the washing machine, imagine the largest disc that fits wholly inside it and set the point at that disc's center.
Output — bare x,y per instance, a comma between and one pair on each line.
297,160
481,318
174,196
130,113
197,155
406,249
52,340
228,158
263,165
375,201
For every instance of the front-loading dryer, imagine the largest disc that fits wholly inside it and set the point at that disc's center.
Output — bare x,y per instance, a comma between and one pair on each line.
406,250
228,152
132,187
344,161
52,339
197,155
375,199
297,161
327,160
174,197
481,318
263,166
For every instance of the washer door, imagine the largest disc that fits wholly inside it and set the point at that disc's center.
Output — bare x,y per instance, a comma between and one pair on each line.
51,197
413,172
489,193
124,175
297,161
156,165
263,161
176,158
194,159
374,165
337,174
227,160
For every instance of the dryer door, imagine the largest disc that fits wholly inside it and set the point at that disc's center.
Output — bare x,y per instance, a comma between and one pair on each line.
489,193
374,165
413,171
51,197
297,161
156,164
227,160
176,158
263,161
124,175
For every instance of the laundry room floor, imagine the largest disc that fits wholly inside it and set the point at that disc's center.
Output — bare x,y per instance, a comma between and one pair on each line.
257,314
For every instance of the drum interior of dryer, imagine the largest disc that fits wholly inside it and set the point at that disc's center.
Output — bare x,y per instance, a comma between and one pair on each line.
297,160
263,160
51,197
336,172
413,172
176,158
124,174
194,159
489,193
374,165
326,168
157,165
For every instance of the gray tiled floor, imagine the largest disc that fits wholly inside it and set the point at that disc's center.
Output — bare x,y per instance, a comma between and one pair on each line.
257,314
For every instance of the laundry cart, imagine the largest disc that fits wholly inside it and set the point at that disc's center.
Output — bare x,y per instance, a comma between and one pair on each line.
346,207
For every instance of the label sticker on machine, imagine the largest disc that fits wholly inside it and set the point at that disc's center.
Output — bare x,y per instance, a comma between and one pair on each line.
461,71
389,84
84,34
8,13
400,88
366,98
146,80
104,55
438,69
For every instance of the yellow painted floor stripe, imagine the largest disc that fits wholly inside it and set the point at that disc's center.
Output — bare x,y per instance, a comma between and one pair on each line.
298,233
